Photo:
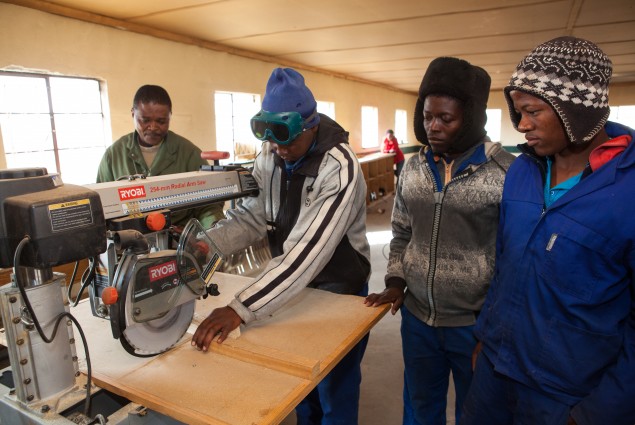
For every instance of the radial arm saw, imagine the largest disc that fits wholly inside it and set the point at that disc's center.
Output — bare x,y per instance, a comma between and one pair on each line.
143,276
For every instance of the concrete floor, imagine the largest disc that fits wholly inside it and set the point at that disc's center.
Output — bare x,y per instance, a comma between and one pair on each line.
382,368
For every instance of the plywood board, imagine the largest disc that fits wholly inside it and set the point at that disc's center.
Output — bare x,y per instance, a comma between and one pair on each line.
257,378
198,388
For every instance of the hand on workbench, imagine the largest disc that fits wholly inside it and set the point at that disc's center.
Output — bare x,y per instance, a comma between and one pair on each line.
389,295
220,322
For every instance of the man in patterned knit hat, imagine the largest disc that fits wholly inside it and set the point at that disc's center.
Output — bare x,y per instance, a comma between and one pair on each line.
558,325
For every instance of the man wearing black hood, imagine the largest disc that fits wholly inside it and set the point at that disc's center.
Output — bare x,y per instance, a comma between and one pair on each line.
444,231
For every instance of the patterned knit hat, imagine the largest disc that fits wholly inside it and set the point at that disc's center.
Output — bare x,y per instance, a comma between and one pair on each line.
572,75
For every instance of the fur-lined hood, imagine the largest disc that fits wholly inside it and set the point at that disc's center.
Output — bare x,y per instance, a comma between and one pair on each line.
468,83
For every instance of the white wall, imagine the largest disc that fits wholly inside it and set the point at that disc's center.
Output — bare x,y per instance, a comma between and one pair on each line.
31,40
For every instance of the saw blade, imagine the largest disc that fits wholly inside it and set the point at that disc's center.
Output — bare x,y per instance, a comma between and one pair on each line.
157,336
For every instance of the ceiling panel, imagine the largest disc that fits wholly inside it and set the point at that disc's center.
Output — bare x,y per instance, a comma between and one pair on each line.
593,12
297,38
512,46
244,18
379,41
126,9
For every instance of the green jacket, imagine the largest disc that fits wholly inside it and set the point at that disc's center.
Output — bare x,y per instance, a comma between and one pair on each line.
176,155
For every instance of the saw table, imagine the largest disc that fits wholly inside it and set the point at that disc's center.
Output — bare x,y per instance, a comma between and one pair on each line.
255,379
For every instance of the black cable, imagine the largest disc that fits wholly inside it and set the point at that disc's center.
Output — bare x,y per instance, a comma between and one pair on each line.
69,288
16,263
87,277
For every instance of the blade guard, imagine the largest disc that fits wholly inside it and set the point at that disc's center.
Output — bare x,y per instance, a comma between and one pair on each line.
154,310
197,248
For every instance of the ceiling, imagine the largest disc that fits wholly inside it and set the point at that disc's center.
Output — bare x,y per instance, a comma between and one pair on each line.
385,42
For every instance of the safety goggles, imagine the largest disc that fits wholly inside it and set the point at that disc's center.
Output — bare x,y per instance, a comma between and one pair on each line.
280,127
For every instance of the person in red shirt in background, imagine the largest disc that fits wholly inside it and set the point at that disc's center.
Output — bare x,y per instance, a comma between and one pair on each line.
391,145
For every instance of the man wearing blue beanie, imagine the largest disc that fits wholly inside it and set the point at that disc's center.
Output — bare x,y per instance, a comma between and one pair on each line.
312,208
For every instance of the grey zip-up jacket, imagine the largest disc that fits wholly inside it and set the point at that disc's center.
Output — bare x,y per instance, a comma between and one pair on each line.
319,215
443,244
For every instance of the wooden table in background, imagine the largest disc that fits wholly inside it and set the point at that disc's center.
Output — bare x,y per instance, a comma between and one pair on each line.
378,170
257,378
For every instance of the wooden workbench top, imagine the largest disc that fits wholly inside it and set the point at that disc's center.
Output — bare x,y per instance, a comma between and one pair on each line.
257,378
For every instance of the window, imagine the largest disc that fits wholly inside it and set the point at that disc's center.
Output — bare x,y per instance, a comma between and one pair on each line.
623,114
326,108
401,126
233,128
493,125
370,125
53,122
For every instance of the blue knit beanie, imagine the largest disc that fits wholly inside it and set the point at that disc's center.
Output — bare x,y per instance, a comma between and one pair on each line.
286,92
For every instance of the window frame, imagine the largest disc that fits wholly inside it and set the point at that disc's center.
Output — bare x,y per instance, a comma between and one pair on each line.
494,124
55,116
370,131
245,125
401,126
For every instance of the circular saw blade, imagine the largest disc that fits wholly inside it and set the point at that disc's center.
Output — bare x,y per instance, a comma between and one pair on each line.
159,335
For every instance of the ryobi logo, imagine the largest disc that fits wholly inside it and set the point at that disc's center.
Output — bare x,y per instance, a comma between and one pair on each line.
162,270
132,193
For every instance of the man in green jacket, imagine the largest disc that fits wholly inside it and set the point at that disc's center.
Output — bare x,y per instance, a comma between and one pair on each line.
153,150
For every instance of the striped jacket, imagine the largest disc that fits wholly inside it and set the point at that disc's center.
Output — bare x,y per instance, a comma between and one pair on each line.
315,219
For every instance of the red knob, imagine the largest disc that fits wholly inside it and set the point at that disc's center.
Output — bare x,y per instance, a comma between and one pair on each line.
155,221
214,155
109,295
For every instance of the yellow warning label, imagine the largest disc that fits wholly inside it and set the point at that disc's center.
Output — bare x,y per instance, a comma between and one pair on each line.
69,204
70,215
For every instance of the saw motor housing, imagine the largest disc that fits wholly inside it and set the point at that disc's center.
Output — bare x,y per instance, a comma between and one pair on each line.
156,295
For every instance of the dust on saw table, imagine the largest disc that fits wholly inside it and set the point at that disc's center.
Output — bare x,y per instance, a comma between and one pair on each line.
255,378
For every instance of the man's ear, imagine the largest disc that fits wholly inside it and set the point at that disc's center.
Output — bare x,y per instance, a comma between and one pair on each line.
132,112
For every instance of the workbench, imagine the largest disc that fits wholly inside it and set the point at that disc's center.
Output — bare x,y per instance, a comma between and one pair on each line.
379,174
255,379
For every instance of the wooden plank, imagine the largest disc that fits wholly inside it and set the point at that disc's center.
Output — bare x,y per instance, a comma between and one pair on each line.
241,349
374,157
197,388
285,362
